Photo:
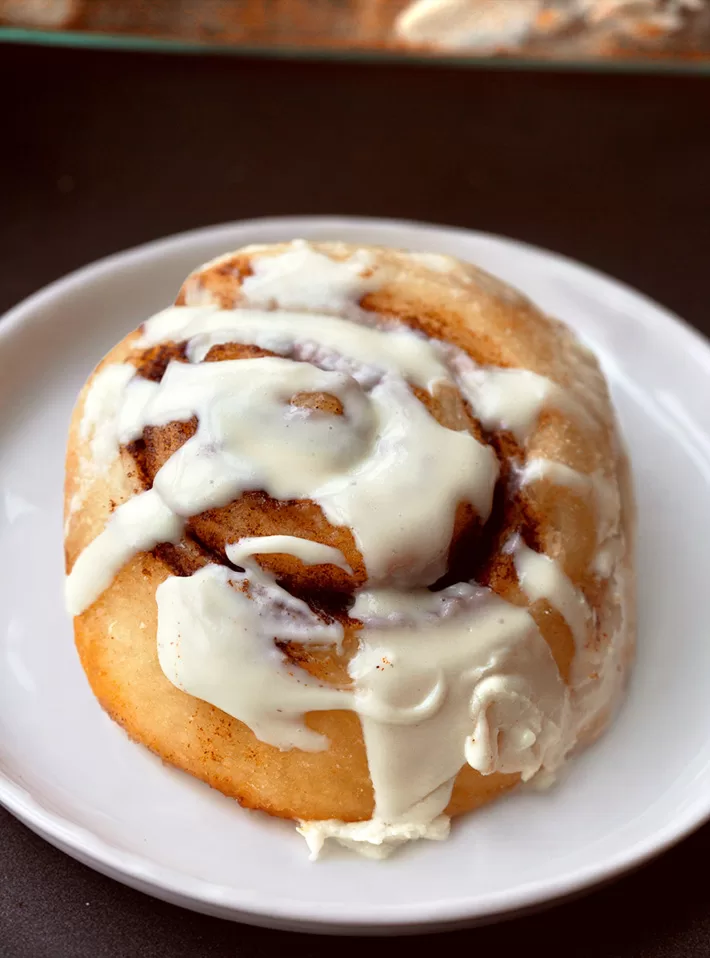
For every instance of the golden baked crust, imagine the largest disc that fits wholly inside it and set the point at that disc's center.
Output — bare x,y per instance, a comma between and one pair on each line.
116,636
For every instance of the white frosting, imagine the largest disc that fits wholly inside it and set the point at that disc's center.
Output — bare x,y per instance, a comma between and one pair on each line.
596,674
106,424
137,394
495,25
323,339
607,557
511,399
309,552
468,24
492,695
378,839
541,577
99,423
372,838
439,679
434,261
250,437
43,14
606,499
483,644
332,287
217,643
557,472
136,526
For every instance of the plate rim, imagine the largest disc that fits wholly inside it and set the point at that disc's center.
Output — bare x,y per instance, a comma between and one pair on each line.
199,894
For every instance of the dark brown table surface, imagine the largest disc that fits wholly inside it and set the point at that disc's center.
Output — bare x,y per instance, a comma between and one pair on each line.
100,151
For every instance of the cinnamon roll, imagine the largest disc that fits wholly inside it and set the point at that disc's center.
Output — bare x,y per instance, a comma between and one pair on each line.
349,538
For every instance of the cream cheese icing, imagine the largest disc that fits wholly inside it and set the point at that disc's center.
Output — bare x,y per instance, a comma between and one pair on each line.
495,25
468,24
378,839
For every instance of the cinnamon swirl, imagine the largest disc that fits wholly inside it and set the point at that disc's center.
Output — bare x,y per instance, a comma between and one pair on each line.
348,537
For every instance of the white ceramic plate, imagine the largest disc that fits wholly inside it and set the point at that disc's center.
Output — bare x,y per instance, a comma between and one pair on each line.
75,778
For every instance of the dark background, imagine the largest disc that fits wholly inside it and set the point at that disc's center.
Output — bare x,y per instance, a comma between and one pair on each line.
99,151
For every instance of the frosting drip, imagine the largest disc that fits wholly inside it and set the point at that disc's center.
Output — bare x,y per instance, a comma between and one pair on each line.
491,692
215,641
